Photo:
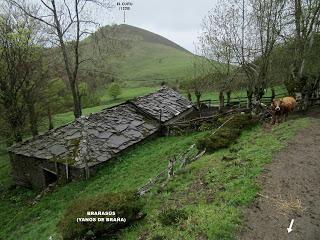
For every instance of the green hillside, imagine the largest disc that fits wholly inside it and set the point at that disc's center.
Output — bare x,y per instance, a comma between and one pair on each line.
150,63
138,57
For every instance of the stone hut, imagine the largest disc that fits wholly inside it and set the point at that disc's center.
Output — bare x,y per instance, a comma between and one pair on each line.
78,149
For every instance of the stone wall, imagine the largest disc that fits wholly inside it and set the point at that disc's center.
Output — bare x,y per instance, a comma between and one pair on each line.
30,172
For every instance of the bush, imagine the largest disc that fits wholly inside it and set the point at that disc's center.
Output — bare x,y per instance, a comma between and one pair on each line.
206,127
125,205
226,135
239,121
172,216
221,139
159,237
114,90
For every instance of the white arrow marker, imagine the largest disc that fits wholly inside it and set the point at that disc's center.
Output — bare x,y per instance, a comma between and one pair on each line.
290,227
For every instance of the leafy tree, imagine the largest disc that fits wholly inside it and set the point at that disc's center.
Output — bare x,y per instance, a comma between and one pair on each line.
243,33
306,25
56,99
114,90
283,58
19,58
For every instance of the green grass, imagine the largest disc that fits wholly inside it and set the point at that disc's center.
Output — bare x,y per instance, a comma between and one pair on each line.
105,99
132,92
126,94
210,190
5,170
129,172
146,60
148,64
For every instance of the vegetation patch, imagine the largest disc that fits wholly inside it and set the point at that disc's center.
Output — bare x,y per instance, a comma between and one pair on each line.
172,216
125,205
226,135
210,190
213,191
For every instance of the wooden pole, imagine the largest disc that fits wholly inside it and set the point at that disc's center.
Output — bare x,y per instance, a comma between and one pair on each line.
67,170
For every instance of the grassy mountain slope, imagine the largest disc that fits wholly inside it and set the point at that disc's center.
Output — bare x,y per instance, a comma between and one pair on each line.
149,63
148,36
142,58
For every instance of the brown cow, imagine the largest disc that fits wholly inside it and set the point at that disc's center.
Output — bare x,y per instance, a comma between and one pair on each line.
281,108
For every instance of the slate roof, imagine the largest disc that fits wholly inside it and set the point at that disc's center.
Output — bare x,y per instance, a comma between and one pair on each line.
169,101
107,132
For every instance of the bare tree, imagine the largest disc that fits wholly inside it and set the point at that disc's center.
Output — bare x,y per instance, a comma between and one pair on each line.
67,23
269,20
243,33
230,39
216,48
306,24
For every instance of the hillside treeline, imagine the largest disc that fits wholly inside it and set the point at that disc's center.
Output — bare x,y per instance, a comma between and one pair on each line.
254,45
51,62
54,58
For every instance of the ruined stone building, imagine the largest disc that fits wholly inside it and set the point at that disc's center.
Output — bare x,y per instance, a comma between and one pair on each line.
78,149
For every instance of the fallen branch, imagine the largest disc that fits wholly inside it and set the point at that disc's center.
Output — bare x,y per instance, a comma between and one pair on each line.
169,171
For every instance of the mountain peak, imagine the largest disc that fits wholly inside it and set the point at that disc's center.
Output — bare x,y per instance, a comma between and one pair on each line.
144,35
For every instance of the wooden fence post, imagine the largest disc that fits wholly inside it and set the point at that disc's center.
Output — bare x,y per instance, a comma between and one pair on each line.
170,167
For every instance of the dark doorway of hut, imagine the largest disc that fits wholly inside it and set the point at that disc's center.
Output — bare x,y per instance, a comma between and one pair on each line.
49,177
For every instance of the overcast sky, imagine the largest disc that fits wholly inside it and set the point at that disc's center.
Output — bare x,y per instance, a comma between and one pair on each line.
179,20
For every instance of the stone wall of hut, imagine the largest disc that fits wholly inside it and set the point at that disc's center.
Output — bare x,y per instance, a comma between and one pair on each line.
35,173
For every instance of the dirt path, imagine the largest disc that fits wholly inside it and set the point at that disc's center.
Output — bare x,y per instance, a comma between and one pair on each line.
290,190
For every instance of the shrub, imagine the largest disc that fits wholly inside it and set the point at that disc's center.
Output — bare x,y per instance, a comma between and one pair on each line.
172,216
206,126
114,90
221,139
239,121
226,135
159,237
125,205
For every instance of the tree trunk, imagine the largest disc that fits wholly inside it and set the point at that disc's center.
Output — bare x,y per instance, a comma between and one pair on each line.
306,102
198,96
228,97
258,93
76,101
189,96
273,94
249,96
49,112
72,77
221,100
16,119
33,119
16,129
305,98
